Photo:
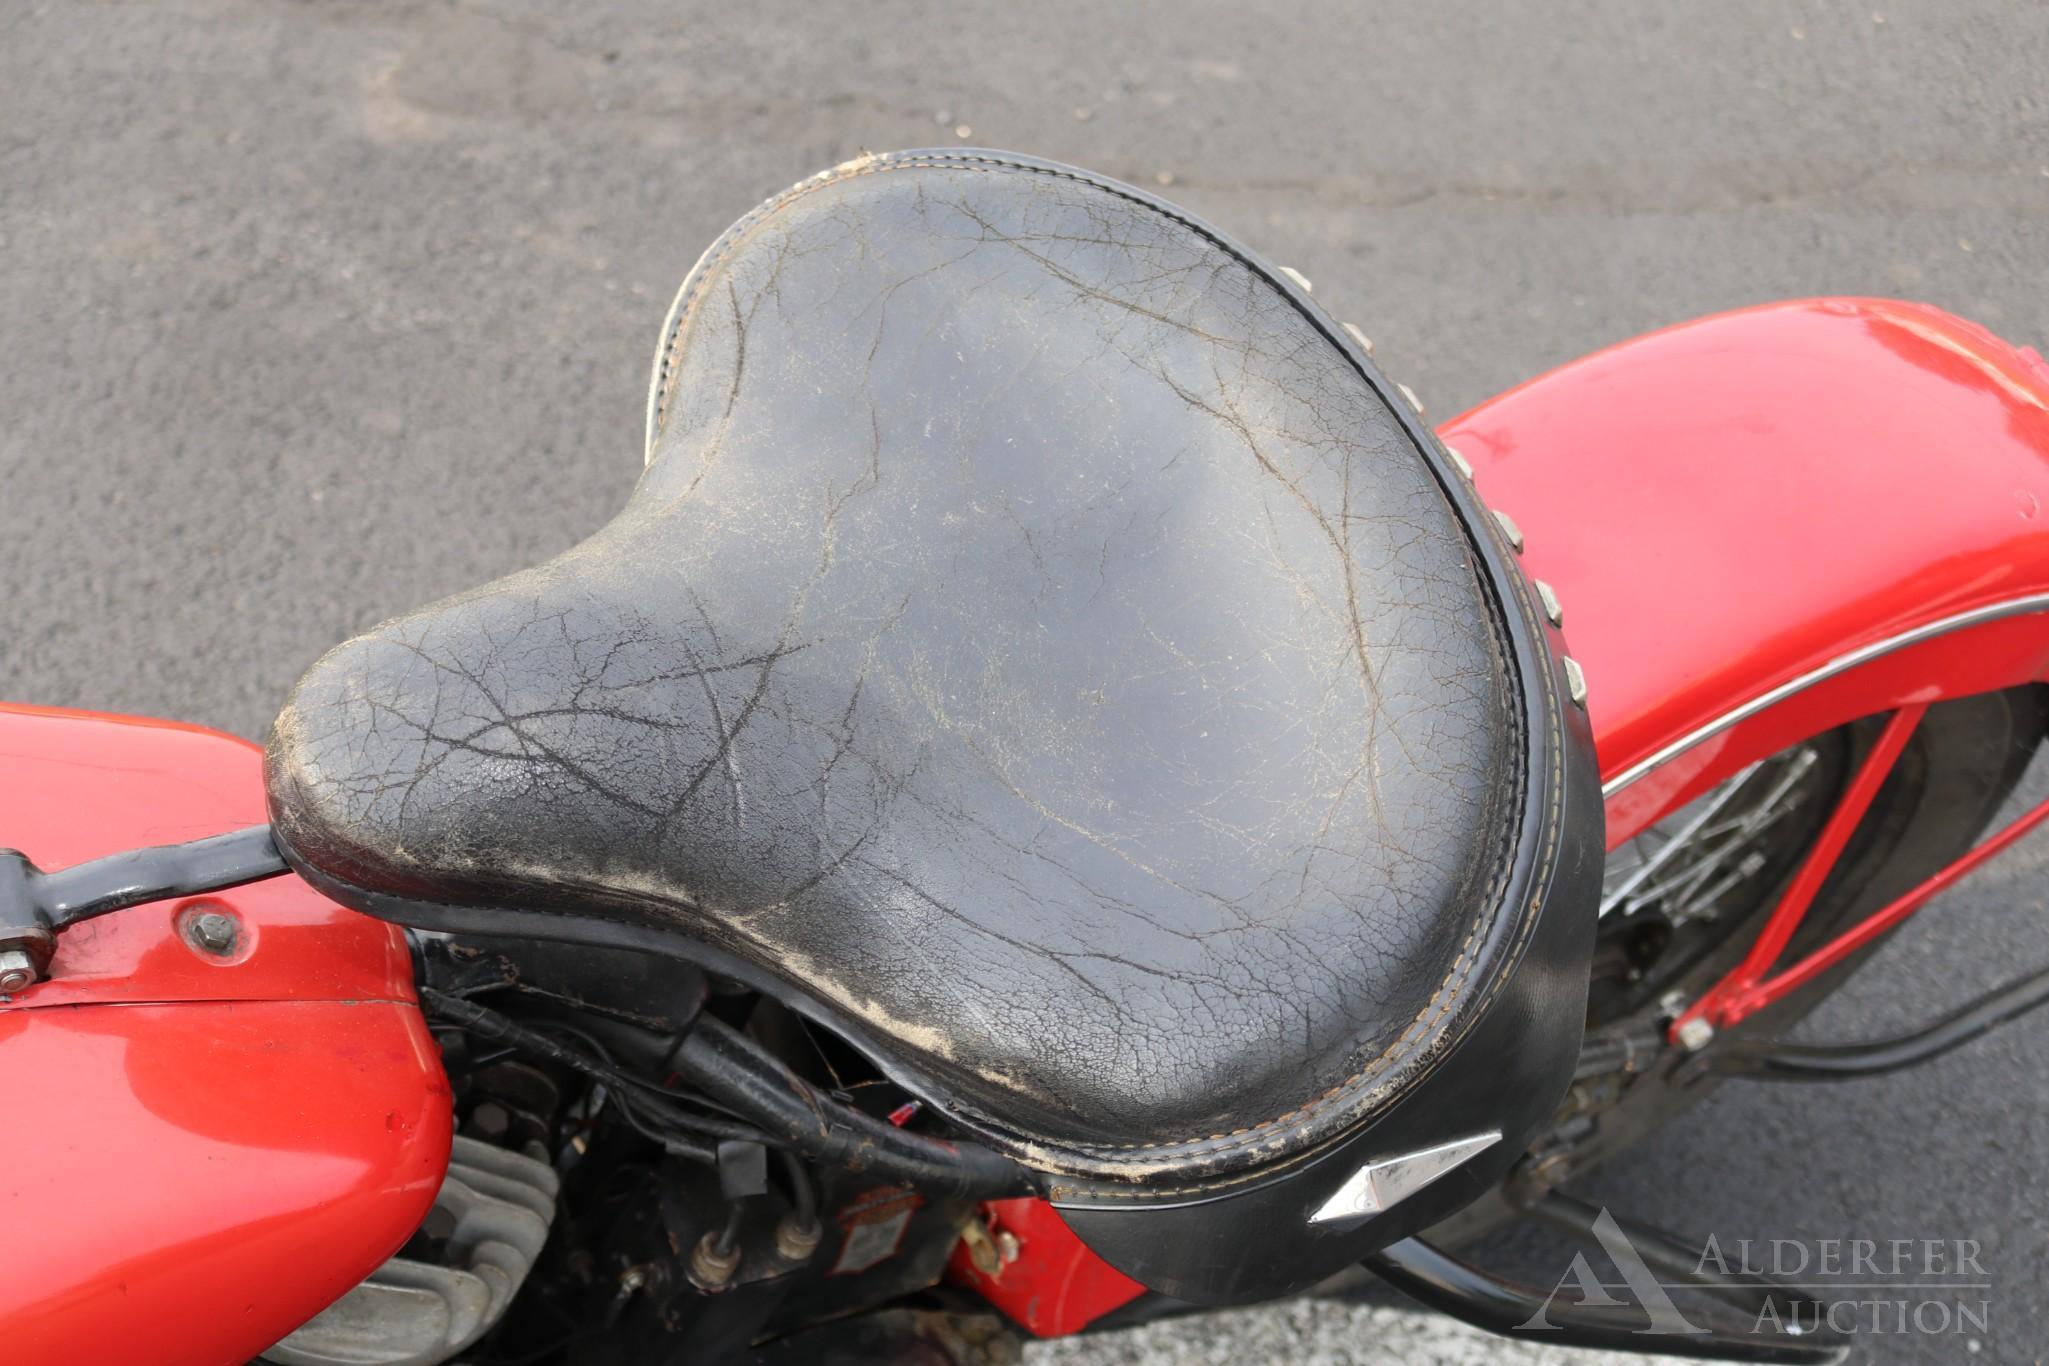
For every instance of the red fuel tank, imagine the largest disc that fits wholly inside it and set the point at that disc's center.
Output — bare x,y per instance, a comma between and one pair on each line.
201,1152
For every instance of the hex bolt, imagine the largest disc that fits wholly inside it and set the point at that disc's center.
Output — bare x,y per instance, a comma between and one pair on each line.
490,1120
17,971
213,932
1695,1034
983,1254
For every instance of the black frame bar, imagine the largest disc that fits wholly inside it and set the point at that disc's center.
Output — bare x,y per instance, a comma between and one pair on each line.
1501,1306
35,905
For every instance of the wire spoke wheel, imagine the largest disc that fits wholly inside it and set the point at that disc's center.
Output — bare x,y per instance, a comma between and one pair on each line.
1671,893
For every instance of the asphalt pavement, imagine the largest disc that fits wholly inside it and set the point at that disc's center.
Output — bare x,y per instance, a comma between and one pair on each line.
313,313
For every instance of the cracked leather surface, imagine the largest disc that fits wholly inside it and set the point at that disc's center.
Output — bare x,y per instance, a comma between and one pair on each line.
1032,640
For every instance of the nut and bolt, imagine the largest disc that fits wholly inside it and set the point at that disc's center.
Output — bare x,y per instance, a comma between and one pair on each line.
17,971
1695,1034
1550,1169
490,1120
709,1266
796,1240
213,932
983,1254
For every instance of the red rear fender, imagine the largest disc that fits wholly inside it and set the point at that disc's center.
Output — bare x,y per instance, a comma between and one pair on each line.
1769,522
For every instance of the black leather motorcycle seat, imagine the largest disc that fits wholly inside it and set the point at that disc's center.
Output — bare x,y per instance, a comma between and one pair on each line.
1036,646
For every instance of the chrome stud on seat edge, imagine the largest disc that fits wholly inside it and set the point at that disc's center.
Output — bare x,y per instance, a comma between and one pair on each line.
1365,342
1510,530
1575,680
1299,278
1553,610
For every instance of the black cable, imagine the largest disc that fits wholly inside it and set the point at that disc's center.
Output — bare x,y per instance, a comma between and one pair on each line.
616,1097
490,1024
1769,1060
712,1125
729,1236
803,1195
738,1074
673,1144
722,1062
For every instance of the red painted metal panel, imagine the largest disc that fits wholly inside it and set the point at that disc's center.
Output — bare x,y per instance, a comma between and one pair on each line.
1728,504
1056,1286
199,1155
188,1183
77,785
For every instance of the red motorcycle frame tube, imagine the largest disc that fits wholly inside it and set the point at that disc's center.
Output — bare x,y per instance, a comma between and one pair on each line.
1760,525
202,1150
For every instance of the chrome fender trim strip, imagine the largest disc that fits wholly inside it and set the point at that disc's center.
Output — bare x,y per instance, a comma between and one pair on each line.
1864,654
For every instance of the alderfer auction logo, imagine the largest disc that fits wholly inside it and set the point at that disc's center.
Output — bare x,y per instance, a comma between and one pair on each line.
1930,1286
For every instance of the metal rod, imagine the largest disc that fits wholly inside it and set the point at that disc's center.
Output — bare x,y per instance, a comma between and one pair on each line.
34,905
1664,1253
1842,823
137,876
1768,1061
1718,803
1841,664
1723,1004
1876,924
1507,1308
